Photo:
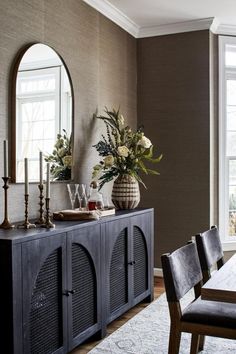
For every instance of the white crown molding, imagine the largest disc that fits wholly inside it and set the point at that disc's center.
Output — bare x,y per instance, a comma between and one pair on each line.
214,25
186,26
115,15
224,29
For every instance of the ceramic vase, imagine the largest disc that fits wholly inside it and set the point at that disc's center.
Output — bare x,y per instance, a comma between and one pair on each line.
125,192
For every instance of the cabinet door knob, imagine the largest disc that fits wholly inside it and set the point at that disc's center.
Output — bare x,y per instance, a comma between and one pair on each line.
69,292
132,262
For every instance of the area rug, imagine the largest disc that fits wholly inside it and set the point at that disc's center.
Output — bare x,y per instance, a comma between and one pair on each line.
148,333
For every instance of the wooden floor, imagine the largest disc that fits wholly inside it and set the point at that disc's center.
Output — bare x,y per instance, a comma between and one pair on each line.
87,346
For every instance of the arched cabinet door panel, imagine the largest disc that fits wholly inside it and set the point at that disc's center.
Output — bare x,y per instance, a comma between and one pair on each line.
117,275
84,285
84,304
44,312
142,256
118,283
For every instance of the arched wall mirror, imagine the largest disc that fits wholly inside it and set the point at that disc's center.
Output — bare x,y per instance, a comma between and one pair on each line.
42,114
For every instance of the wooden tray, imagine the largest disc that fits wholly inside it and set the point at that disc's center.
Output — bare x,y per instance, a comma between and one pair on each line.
76,215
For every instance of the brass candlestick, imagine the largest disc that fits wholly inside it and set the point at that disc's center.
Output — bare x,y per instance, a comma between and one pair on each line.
48,224
6,223
26,224
41,219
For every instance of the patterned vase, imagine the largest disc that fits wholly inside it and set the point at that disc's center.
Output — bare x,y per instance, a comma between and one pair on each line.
125,192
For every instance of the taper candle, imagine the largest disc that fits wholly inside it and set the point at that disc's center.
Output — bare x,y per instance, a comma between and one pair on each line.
48,181
26,177
5,157
40,168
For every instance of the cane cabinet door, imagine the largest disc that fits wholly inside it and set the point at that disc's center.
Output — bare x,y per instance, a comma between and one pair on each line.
84,300
142,268
117,274
44,305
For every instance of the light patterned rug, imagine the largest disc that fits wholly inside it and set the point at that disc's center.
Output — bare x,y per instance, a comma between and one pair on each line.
148,333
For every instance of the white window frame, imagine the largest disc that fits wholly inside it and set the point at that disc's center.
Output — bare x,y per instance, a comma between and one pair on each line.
228,242
40,96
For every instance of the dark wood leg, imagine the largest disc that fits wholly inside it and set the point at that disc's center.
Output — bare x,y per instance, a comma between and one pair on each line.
194,344
174,340
201,343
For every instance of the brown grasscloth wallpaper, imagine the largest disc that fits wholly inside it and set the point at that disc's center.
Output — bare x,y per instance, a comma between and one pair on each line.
174,107
161,82
101,58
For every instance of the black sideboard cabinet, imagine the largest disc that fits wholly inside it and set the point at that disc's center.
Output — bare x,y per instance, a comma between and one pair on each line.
61,286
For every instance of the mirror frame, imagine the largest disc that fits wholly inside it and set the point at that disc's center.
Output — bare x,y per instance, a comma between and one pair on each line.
12,109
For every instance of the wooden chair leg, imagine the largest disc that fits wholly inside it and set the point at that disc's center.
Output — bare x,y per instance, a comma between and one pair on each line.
201,343
174,340
195,344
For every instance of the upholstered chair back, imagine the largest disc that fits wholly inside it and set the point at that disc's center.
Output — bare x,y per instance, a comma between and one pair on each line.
181,270
209,249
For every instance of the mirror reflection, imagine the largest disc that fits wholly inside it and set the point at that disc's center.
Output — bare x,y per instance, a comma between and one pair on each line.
43,113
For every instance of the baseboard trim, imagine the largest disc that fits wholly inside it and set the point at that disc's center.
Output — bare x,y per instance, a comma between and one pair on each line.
158,272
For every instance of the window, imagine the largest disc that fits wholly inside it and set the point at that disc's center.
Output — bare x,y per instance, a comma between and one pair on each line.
227,141
37,108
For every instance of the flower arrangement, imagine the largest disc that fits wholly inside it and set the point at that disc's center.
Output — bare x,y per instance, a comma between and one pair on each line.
61,158
123,151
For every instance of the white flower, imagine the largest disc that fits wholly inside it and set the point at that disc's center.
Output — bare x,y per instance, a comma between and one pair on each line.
123,151
108,161
67,161
61,152
145,142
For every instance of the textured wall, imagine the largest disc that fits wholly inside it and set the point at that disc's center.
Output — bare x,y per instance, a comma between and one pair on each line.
174,106
101,58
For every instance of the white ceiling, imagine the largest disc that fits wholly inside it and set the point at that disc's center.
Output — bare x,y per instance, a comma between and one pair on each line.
144,18
161,12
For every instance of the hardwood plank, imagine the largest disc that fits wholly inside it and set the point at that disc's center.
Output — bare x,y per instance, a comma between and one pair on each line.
89,345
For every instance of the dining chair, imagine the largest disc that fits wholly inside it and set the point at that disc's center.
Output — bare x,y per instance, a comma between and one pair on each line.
182,272
209,251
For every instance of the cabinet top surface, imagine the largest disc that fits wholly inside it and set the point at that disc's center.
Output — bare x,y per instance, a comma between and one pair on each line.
21,235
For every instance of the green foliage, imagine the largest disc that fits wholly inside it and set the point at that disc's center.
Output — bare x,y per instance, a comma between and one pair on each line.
123,151
61,157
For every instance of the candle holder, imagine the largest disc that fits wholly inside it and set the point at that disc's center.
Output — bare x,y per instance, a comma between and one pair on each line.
6,223
26,224
41,219
48,224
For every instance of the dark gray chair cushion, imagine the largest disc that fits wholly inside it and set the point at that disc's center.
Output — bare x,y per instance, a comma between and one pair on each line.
214,313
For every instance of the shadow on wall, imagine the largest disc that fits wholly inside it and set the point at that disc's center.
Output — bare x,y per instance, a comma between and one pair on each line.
86,156
90,133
